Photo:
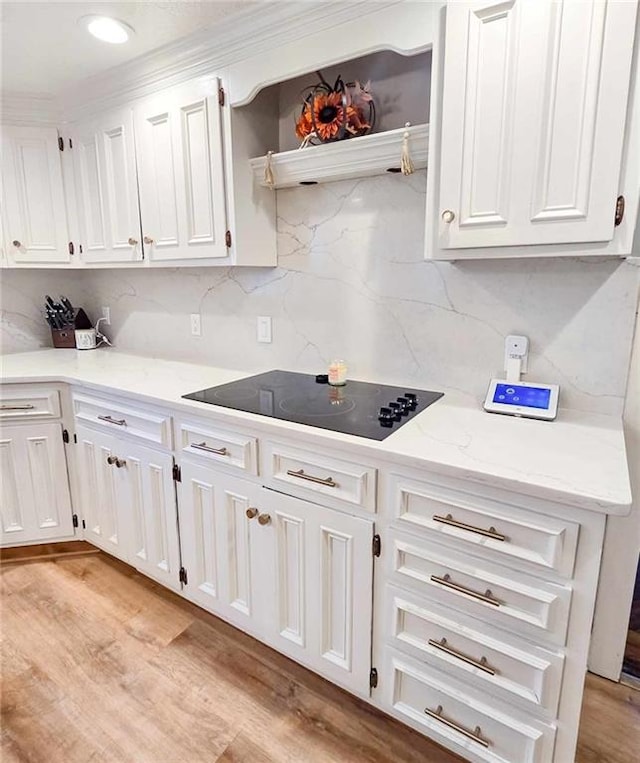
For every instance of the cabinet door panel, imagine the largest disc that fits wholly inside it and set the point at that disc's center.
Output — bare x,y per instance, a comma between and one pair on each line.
148,501
323,582
226,554
179,145
34,195
533,119
105,169
200,528
99,480
36,505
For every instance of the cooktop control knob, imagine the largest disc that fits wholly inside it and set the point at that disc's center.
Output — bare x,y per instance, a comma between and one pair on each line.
386,417
413,400
396,409
405,406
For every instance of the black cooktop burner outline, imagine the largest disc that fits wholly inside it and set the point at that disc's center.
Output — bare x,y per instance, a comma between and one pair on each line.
291,396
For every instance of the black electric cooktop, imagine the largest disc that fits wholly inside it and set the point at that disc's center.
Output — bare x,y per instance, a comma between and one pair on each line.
357,408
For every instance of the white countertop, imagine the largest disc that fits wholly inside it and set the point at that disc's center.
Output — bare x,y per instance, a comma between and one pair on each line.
579,458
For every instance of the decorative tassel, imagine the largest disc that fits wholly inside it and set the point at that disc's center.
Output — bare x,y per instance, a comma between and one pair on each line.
269,177
406,165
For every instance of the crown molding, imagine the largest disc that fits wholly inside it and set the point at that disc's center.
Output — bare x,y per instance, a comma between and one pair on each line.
19,108
208,51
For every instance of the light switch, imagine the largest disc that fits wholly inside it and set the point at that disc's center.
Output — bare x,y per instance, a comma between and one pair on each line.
196,327
264,328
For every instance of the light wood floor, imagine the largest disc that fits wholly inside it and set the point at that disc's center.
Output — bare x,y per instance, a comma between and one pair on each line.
100,664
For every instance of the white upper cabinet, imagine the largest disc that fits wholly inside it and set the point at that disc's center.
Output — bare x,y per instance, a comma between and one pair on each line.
106,186
181,173
33,195
533,121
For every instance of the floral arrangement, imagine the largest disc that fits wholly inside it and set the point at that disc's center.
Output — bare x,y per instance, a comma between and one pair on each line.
335,113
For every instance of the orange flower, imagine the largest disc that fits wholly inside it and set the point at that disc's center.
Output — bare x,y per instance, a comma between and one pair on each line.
328,115
304,125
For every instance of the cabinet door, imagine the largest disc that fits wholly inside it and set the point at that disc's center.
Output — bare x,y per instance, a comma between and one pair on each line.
323,588
226,557
35,215
106,184
34,485
148,502
99,480
533,120
181,174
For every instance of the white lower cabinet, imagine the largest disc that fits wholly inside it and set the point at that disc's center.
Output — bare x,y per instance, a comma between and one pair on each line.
295,574
129,504
452,713
34,486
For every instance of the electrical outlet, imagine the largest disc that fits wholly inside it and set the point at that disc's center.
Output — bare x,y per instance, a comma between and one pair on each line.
516,347
264,329
196,327
106,314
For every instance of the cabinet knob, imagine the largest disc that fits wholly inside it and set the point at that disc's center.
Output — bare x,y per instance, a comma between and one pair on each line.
264,519
133,241
148,240
448,216
16,243
120,462
111,460
251,513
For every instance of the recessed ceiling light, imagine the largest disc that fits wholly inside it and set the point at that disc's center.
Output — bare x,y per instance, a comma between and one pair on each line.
107,29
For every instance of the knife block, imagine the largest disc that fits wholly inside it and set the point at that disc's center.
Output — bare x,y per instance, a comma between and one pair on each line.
66,337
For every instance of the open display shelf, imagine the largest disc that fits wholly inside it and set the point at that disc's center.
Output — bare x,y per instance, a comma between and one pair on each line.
374,154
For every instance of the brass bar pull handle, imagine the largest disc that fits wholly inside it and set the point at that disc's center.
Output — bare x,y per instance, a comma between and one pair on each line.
475,735
444,647
209,449
328,481
486,597
109,420
27,407
449,520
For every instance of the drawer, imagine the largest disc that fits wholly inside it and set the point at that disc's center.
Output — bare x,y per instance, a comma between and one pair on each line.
500,596
471,723
474,651
119,417
329,479
504,532
219,446
25,401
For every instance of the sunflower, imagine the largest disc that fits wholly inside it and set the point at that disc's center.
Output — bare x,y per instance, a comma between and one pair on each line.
328,114
304,123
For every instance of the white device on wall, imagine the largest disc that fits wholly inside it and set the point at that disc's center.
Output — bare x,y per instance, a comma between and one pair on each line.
517,398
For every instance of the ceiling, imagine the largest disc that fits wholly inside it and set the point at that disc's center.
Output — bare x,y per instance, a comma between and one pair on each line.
45,51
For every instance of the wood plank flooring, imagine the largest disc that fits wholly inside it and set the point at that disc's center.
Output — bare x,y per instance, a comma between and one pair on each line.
100,664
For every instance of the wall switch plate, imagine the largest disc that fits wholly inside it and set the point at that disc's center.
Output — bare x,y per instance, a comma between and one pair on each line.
264,329
196,326
516,347
106,315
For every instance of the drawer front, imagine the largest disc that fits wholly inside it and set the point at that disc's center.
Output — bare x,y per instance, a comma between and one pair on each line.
219,446
472,724
506,533
26,402
500,596
473,651
122,418
316,474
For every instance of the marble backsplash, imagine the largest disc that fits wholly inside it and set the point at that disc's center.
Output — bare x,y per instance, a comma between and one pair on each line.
352,283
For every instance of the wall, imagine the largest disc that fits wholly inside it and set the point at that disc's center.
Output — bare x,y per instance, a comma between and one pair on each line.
22,324
352,283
